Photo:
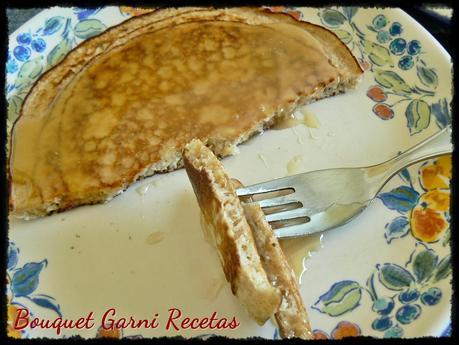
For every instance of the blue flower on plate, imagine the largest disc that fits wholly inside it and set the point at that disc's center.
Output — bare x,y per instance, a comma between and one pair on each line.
414,47
383,305
11,64
408,313
383,36
24,38
408,296
38,45
406,62
395,29
379,21
432,296
397,46
22,53
83,13
381,324
394,332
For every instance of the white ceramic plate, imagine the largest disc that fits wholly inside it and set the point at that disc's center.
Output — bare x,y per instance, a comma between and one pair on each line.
385,274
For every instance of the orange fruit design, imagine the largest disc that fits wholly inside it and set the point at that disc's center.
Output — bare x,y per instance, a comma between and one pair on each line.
428,217
437,200
377,94
438,174
346,329
384,111
13,333
318,334
12,315
427,224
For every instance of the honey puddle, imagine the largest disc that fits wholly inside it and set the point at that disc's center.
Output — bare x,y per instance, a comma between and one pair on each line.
142,190
298,250
309,119
287,122
300,117
294,165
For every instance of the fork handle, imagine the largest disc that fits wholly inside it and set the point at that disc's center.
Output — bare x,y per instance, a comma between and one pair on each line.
434,146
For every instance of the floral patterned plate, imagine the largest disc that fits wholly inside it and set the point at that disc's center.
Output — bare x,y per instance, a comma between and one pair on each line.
143,256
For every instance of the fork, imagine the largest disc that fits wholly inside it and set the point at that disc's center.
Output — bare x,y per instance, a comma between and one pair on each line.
326,199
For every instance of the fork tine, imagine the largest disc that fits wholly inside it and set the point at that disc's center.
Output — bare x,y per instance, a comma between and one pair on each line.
265,187
321,221
291,214
278,201
309,228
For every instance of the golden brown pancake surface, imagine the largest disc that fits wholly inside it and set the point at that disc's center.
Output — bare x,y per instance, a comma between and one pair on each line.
134,104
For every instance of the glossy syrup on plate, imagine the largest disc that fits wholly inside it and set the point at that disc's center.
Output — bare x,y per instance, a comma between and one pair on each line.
297,250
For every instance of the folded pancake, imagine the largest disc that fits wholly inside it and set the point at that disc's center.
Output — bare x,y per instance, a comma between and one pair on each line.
250,253
291,316
122,105
224,216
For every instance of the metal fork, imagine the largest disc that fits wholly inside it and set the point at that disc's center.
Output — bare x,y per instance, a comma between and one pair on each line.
329,198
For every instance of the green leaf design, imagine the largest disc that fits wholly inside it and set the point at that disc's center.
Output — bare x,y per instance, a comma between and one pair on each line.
332,18
344,35
447,238
342,297
391,80
378,54
53,25
371,28
443,269
59,52
357,30
397,228
427,76
350,12
440,111
418,115
29,71
424,264
88,28
25,279
14,105
394,277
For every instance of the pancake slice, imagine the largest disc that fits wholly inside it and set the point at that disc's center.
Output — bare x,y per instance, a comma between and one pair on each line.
232,235
240,230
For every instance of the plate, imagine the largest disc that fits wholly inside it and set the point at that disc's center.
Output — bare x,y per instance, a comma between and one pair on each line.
143,255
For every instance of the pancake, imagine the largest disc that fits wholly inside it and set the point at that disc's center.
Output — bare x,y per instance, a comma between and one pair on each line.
122,105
